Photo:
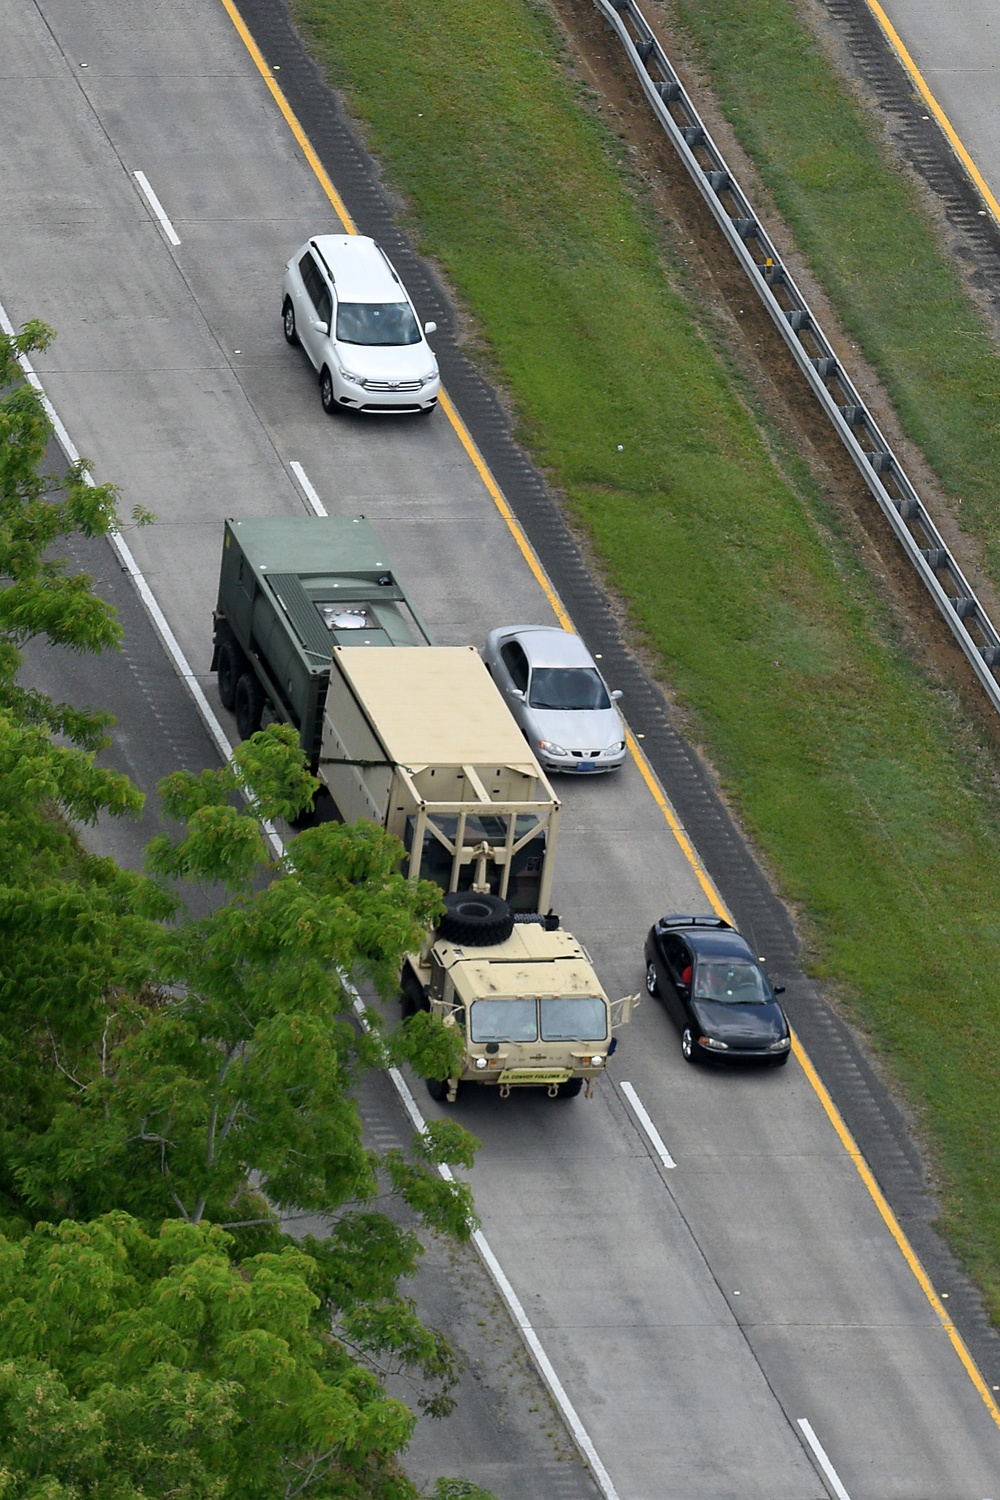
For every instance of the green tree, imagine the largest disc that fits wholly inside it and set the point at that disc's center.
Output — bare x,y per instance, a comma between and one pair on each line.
230,1045
38,512
41,596
54,900
158,1073
215,1080
134,1364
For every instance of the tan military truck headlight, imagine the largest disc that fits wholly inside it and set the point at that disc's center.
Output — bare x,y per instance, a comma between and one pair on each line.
481,1062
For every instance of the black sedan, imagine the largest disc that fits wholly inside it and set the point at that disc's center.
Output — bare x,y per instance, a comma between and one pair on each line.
716,992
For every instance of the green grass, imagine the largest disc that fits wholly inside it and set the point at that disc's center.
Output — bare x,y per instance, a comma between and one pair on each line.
873,803
861,226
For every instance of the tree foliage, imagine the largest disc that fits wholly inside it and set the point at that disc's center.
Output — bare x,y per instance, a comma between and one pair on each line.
191,1053
171,1086
41,596
137,1364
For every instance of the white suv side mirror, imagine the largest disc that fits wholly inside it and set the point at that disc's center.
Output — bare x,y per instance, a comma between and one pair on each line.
319,326
430,328
616,695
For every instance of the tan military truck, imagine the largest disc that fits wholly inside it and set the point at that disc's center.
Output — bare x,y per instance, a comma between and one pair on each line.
531,1009
422,743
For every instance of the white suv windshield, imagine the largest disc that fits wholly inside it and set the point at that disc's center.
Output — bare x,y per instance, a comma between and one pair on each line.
376,323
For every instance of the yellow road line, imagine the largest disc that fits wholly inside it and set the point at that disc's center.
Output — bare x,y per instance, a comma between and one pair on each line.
339,207
893,1226
645,770
957,145
676,828
499,500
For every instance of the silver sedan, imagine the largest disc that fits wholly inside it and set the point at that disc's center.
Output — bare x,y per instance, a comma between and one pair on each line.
558,697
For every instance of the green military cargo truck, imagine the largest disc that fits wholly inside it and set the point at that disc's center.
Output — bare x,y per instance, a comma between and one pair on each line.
289,591
420,742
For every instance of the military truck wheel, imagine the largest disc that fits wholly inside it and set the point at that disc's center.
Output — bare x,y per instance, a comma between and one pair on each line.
481,920
570,1088
438,1089
231,664
288,322
248,705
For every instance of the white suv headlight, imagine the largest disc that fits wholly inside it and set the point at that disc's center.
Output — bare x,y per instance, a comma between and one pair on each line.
349,375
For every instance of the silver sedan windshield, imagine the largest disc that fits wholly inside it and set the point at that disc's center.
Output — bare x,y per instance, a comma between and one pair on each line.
567,688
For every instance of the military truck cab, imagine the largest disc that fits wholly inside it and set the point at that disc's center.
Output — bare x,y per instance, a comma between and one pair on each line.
531,1009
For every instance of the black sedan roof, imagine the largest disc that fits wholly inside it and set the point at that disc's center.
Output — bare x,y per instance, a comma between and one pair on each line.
709,937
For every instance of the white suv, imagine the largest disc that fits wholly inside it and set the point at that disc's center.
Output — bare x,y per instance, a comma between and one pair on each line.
344,303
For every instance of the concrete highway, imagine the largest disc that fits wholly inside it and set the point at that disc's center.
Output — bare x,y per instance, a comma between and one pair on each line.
696,1315
955,49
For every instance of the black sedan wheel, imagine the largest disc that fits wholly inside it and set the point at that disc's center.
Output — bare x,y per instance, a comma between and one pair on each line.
652,988
689,1046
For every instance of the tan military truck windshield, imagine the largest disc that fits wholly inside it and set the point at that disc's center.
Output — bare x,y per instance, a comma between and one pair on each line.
556,1019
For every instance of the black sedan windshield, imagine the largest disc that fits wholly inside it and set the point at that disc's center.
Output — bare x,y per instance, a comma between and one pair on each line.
732,983
567,687
376,323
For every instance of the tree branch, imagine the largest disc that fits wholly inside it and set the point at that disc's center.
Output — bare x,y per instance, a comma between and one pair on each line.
64,1071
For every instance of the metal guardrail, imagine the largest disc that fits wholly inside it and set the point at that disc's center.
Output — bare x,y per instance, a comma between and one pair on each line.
879,467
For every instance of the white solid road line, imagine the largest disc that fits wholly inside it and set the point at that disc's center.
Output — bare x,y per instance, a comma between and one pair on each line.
157,207
307,488
146,594
521,1320
832,1477
655,1139
580,1434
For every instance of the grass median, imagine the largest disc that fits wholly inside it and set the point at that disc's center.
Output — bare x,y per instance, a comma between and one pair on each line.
874,804
860,223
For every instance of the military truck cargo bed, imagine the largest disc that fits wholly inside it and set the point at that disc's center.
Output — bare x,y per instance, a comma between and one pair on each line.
436,708
422,743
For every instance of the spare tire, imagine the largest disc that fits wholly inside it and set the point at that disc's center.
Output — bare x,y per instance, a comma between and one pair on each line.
480,920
